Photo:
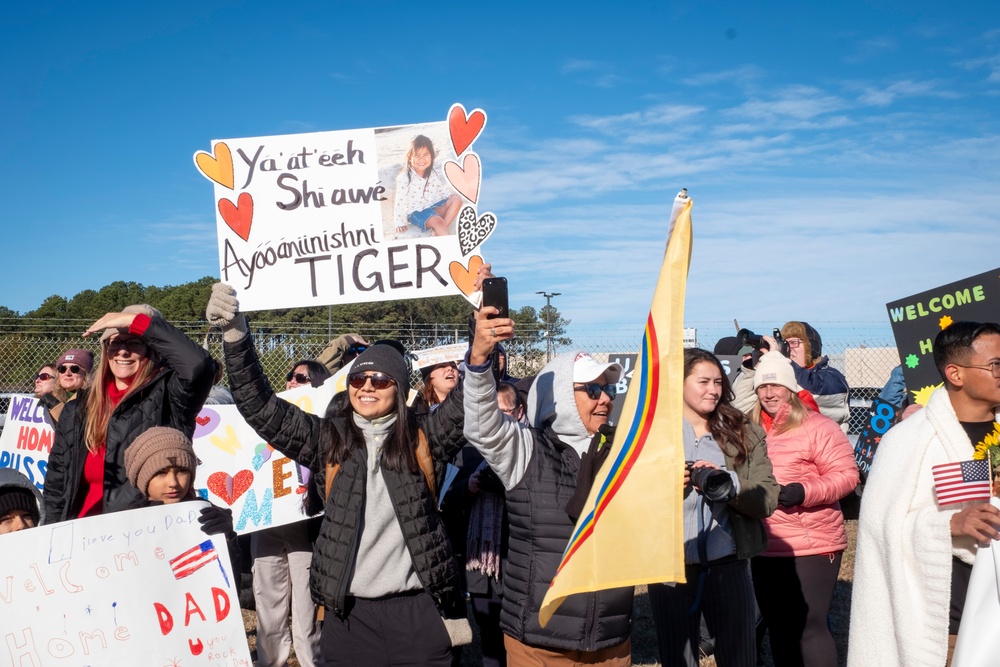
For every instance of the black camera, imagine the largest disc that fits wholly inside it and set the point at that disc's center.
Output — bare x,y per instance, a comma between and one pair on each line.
757,342
716,485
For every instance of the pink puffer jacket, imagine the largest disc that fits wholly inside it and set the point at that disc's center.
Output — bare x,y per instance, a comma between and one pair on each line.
819,456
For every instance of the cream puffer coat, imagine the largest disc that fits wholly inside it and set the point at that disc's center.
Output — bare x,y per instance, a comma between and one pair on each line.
818,456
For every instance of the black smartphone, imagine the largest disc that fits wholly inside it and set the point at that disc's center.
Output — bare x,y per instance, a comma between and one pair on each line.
495,294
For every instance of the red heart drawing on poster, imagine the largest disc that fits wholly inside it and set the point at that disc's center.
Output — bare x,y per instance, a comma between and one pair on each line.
230,488
239,215
464,128
465,178
202,421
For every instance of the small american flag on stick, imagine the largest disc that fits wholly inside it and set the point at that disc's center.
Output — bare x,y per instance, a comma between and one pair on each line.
962,481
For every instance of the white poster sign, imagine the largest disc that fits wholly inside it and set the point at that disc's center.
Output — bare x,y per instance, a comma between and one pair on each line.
144,587
442,354
27,438
351,215
239,470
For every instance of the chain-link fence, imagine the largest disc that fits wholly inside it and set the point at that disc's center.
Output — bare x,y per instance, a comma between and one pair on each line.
865,353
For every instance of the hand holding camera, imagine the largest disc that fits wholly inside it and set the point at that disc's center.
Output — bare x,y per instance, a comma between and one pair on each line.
763,343
713,482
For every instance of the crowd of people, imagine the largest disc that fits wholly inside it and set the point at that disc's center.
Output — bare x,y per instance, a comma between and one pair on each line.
400,558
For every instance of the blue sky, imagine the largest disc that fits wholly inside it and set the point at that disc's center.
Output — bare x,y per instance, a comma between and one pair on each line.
840,155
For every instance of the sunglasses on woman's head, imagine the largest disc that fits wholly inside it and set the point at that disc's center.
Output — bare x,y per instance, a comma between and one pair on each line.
44,377
594,390
74,369
379,380
299,377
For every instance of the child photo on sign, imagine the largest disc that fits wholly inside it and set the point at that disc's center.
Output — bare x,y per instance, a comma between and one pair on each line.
423,203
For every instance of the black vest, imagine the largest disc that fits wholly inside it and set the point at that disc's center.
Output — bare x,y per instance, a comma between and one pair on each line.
539,532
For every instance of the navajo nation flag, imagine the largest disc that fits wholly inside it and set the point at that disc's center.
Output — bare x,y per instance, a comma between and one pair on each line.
962,481
631,529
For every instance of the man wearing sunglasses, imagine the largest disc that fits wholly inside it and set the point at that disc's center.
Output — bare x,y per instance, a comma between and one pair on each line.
547,470
915,555
342,351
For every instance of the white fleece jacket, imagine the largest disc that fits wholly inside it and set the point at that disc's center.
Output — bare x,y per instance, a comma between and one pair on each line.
902,570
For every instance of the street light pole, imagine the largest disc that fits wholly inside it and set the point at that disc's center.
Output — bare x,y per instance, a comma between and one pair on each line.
548,312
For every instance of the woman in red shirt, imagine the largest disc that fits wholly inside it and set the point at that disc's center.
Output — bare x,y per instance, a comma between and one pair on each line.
149,374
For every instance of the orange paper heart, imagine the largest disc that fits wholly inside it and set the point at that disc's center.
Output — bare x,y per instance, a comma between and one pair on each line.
465,278
218,167
239,215
464,129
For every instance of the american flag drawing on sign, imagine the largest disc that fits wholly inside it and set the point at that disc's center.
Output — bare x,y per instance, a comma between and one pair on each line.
193,559
962,481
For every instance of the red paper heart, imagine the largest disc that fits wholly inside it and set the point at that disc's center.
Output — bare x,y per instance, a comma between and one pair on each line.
464,129
229,488
202,420
239,215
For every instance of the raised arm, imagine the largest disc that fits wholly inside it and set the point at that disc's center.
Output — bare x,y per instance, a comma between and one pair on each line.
505,444
284,426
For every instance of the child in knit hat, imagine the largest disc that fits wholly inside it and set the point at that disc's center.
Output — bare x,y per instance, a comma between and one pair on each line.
20,502
161,463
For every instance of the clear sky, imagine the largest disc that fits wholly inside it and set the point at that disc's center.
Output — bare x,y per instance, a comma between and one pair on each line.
840,154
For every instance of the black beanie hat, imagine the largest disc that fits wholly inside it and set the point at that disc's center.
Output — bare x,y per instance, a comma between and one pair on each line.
384,357
18,498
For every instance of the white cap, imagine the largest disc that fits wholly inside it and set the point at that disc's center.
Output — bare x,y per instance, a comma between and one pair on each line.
585,369
775,368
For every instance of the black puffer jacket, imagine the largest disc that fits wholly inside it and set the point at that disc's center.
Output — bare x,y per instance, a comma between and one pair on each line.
172,397
297,434
540,529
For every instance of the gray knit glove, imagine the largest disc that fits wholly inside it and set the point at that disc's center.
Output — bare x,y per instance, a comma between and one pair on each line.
223,311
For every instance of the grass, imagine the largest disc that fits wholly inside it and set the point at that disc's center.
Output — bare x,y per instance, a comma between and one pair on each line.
644,653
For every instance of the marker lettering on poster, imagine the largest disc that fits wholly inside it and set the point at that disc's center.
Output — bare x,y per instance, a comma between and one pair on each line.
938,304
345,216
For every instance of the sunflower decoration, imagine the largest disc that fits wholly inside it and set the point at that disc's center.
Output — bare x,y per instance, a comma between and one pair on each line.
989,449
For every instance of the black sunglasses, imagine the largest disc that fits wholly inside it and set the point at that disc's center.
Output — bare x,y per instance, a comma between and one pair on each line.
74,369
130,344
379,380
355,350
594,390
44,377
299,377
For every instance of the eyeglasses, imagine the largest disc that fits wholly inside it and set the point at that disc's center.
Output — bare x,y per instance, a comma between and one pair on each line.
793,342
130,344
993,367
74,369
379,380
44,377
299,377
594,390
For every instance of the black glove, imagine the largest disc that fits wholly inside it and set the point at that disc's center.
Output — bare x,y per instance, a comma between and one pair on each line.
791,495
488,481
216,521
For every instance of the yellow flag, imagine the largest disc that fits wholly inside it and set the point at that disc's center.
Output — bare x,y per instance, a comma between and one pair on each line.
631,529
